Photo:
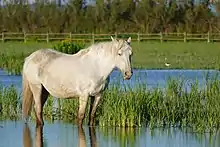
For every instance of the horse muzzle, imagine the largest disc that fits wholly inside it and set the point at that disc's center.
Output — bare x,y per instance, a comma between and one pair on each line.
127,75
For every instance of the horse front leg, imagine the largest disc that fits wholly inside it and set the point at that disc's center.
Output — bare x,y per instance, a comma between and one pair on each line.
95,101
82,109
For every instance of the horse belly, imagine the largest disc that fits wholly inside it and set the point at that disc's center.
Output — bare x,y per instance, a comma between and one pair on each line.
60,90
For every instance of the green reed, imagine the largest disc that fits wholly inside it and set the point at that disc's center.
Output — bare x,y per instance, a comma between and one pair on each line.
169,107
10,104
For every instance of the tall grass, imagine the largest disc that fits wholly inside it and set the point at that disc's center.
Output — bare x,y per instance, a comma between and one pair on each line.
172,106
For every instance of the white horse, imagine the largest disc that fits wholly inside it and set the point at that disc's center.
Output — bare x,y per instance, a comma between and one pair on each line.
81,75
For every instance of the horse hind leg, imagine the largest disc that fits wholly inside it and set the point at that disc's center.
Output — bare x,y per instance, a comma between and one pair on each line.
40,96
44,96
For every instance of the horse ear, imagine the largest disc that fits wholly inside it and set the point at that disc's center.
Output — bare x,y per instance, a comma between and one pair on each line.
112,38
129,40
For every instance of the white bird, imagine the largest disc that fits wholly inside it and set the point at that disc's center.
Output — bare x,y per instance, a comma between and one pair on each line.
167,64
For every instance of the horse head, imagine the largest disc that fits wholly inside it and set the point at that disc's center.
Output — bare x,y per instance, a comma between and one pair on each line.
123,53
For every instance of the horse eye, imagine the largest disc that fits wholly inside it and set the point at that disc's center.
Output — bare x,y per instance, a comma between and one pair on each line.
119,54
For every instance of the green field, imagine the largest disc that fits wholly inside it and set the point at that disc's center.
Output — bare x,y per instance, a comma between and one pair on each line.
191,55
150,55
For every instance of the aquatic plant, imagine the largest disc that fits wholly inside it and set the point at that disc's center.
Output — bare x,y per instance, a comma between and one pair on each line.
169,107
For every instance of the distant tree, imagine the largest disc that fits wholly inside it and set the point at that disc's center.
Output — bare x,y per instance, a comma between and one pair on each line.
108,16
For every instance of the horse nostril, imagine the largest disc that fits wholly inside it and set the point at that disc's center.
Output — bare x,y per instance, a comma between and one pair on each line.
128,73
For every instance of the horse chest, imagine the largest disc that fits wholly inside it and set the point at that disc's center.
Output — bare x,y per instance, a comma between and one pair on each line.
97,89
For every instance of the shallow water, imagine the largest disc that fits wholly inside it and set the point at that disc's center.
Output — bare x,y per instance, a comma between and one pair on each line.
59,134
150,78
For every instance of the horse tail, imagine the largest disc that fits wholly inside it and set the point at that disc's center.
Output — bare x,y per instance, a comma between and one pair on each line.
27,97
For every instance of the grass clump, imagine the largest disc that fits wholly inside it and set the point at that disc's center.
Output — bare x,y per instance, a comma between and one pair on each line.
122,108
68,46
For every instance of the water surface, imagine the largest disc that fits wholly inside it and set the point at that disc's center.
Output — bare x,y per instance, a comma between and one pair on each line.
59,134
150,78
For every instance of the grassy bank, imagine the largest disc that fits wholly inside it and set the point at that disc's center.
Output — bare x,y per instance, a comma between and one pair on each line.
151,55
139,107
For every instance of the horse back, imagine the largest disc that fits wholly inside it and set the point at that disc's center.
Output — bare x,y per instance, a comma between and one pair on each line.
44,56
36,61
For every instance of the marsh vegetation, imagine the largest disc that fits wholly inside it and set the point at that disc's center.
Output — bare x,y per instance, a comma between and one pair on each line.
169,107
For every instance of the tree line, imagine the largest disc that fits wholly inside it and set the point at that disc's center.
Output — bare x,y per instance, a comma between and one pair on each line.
110,16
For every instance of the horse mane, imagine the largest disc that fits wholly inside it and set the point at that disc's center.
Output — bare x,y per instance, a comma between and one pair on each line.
82,52
107,46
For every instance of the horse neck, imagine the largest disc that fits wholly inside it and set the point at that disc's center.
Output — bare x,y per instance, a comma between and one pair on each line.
103,63
106,66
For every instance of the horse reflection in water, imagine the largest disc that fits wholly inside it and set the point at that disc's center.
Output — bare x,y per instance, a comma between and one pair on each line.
82,137
27,140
